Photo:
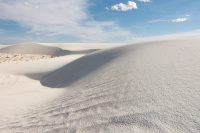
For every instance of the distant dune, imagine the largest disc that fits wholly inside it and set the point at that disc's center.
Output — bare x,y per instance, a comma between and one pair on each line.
144,87
34,48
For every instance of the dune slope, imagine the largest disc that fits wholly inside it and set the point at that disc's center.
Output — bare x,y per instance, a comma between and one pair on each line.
148,87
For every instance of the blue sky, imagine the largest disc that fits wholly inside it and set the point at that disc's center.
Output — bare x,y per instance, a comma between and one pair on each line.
95,20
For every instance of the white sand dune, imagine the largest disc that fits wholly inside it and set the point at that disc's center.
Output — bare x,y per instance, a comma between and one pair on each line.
39,49
32,48
146,87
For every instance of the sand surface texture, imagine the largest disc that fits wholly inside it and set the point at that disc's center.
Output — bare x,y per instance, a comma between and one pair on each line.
145,87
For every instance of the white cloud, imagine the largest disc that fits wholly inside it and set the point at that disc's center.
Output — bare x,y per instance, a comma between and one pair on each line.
131,5
60,17
179,20
145,1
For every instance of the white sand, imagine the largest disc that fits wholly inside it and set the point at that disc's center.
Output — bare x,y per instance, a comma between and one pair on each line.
146,87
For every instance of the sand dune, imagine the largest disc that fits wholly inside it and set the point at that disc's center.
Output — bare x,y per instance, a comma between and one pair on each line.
32,51
145,87
34,48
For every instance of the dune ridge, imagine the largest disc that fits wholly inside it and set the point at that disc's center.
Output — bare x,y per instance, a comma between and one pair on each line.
145,87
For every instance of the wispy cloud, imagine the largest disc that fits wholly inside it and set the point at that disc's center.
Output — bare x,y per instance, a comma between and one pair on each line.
145,1
158,20
176,20
179,20
60,17
131,5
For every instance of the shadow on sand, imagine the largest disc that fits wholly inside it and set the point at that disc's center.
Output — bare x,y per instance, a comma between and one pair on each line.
78,69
